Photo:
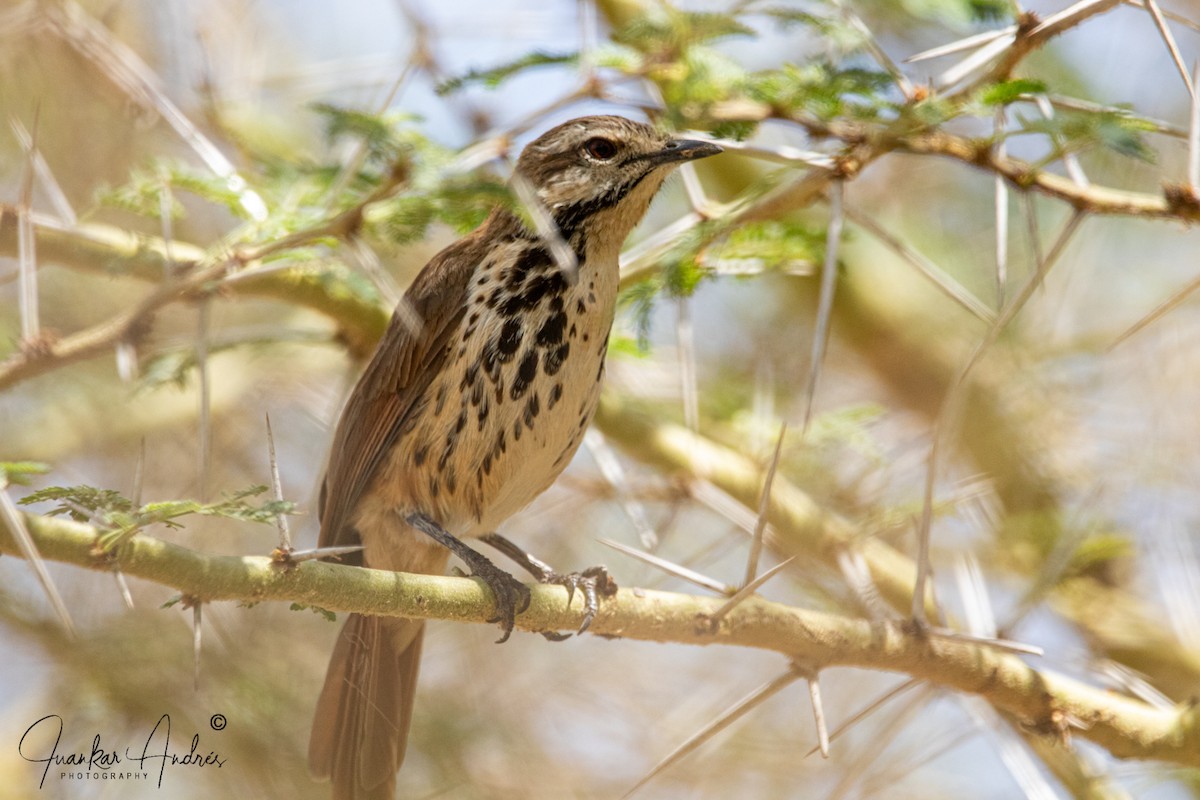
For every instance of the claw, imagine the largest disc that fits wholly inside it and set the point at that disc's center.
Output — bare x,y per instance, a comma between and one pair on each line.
590,581
511,597
507,592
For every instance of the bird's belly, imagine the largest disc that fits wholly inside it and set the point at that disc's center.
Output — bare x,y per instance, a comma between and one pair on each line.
503,425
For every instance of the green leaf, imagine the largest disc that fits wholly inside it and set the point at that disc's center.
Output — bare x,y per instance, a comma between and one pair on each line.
235,506
835,32
990,10
151,190
772,244
494,76
822,90
1099,550
616,56
640,298
738,131
626,346
1005,92
21,472
146,194
81,503
704,26
329,615
386,136
460,201
1075,131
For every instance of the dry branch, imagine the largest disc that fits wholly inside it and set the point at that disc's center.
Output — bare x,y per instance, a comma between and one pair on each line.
1046,701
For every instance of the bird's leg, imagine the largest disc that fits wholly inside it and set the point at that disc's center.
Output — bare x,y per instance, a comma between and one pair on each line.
590,582
511,596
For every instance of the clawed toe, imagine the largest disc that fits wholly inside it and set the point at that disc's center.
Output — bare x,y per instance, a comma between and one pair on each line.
591,583
511,597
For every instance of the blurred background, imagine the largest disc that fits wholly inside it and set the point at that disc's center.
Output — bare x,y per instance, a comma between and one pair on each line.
1065,501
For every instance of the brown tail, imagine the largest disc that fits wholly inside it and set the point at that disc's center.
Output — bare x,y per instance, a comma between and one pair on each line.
361,724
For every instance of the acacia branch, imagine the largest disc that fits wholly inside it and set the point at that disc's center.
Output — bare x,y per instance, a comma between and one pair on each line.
107,250
1043,699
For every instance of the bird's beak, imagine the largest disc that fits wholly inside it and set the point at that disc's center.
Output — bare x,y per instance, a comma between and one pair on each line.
678,150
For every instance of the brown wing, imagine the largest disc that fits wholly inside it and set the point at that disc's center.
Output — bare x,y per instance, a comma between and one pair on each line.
403,366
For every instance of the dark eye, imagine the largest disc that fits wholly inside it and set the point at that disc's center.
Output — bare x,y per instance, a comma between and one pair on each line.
600,149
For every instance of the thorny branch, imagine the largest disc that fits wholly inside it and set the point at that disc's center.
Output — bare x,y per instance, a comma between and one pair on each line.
1051,703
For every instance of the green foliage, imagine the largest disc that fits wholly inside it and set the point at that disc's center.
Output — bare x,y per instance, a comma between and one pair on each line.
620,57
81,503
833,30
771,244
494,76
849,427
737,130
146,194
1005,92
20,472
822,90
957,12
667,33
460,201
385,136
1097,552
989,10
321,612
1076,131
110,510
626,347
639,299
701,77
150,191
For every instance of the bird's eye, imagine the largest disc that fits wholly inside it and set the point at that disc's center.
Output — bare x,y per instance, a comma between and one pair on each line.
600,148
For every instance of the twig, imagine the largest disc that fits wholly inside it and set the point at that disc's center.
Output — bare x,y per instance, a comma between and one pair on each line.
1172,47
818,709
31,326
926,268
614,472
720,723
671,568
952,401
281,520
204,416
1193,139
50,185
829,270
26,548
1001,201
747,591
685,340
764,508
133,76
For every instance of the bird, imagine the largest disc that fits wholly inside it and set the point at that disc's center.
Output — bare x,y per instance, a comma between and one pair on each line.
474,401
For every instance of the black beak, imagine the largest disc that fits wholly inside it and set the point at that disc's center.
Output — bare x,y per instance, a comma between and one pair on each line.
678,150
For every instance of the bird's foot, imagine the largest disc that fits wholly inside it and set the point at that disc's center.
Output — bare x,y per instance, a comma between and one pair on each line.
591,582
510,596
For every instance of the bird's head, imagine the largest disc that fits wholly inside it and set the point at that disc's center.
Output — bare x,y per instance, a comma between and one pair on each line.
603,170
